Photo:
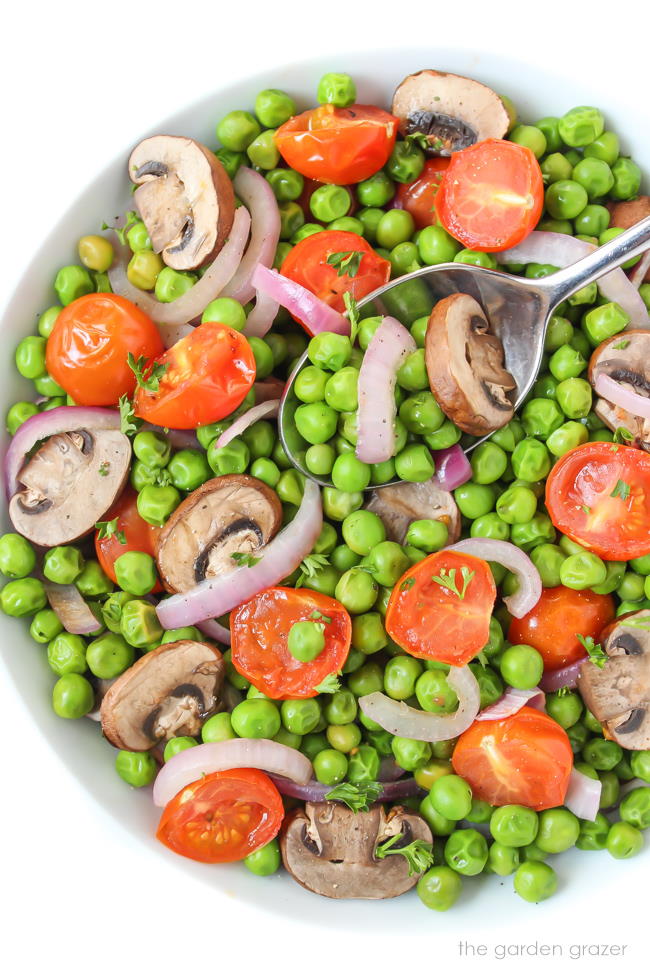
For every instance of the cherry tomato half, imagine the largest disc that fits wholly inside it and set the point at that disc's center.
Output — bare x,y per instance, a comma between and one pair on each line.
259,630
419,197
492,195
441,607
553,623
139,535
88,348
599,495
223,817
338,145
524,759
208,375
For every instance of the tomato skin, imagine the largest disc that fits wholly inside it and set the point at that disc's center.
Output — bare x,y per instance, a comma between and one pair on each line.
259,630
592,477
492,195
552,624
197,821
430,621
524,759
338,145
419,196
89,344
140,535
306,264
209,373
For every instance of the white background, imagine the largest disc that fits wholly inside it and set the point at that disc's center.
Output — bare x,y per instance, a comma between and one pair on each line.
79,81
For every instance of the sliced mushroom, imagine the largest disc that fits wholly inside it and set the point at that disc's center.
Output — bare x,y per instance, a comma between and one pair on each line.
626,359
452,111
167,692
465,366
618,694
629,212
232,514
185,198
68,484
330,850
400,504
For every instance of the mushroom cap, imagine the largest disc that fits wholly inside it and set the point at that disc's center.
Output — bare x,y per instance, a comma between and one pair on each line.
399,504
465,366
68,484
228,514
169,691
628,212
330,850
185,198
452,111
630,366
618,694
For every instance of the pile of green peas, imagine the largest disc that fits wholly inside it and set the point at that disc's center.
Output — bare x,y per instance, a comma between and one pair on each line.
583,168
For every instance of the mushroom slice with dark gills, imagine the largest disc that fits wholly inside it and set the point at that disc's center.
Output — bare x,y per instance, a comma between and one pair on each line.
451,111
185,198
330,850
215,528
618,694
625,358
167,692
68,484
399,504
465,366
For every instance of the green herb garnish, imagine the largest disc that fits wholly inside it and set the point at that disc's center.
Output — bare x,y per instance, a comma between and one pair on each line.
447,579
418,853
623,435
317,615
129,423
244,558
594,650
622,491
147,375
346,262
353,315
330,685
310,566
108,529
359,797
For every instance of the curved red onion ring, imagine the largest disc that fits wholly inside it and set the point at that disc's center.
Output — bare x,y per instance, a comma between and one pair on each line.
315,791
260,199
243,422
62,419
71,608
553,680
389,770
511,702
387,350
452,467
583,795
512,558
219,594
545,247
215,631
315,314
400,719
262,315
270,388
193,302
189,765
622,396
180,439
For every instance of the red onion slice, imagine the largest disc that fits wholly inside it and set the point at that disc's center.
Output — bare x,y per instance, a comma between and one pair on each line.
545,247
262,753
512,701
71,608
512,558
583,795
553,680
215,631
180,439
193,302
452,467
622,396
400,719
262,316
315,791
315,315
62,419
270,388
260,199
637,277
218,595
171,334
388,348
243,422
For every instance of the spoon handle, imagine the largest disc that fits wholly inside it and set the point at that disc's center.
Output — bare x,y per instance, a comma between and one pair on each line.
564,283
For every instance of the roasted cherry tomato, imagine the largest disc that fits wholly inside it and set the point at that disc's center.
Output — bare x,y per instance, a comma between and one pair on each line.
599,495
553,624
89,345
492,195
208,375
307,265
524,759
338,145
139,535
441,607
259,630
222,817
419,197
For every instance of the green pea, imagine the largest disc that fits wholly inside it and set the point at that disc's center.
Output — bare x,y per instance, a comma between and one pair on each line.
139,623
237,130
336,89
234,458
343,558
395,227
565,199
558,830
338,504
30,357
257,718
439,888
567,363
582,571
349,473
421,414
301,717
406,162
306,640
635,808
226,311
488,463
66,654
72,696
23,597
17,414
624,841
330,202
274,107
409,753
535,881
514,825
531,137
400,675
595,176
287,184
263,152
189,468
627,179
538,530
541,417
368,633
171,284
550,126
362,531
436,246
45,626
475,258
614,575
544,387
109,656
176,745
502,860
414,463
581,126
475,499
605,321
517,505
593,220
373,193
341,389
329,350
427,534
602,754
466,852
640,762
17,557
574,396
631,587
440,825
451,796
112,610
593,835
531,460
386,562
135,572
156,504
521,666
71,282
556,167
366,679
319,459
136,768
47,321
434,694
343,737
566,709
218,728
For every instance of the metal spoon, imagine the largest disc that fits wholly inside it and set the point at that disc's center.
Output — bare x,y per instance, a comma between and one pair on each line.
518,309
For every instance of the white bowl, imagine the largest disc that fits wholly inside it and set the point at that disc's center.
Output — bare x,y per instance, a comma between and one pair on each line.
537,91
